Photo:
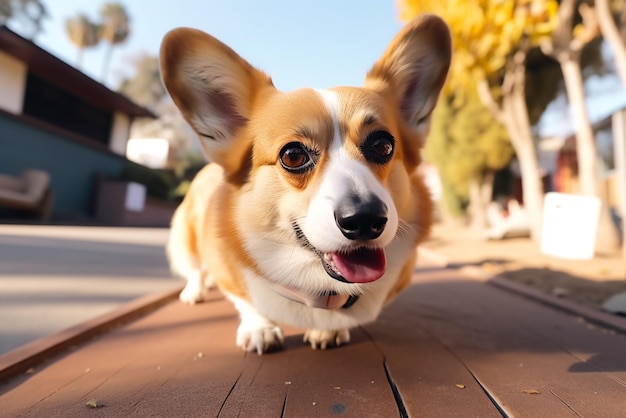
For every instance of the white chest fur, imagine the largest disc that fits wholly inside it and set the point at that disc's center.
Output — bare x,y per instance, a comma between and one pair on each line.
285,310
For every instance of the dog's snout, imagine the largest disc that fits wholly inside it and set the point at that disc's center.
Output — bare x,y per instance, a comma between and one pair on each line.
361,219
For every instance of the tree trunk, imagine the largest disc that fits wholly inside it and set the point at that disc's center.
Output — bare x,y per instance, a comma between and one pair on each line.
477,218
518,126
513,113
480,191
450,205
607,238
79,58
106,63
612,36
566,46
585,139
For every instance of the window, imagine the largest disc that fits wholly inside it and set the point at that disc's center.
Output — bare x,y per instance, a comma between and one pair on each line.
57,107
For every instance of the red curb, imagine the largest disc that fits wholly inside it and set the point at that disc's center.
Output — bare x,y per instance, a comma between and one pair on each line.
614,322
22,358
605,319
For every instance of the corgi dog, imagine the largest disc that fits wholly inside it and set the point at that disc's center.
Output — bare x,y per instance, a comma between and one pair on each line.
311,209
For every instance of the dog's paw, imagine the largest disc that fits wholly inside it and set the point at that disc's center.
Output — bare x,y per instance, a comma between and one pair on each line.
193,294
321,338
260,338
195,290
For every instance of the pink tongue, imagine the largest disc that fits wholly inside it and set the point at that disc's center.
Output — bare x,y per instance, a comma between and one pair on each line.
360,266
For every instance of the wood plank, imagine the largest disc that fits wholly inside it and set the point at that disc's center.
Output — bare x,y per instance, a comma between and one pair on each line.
314,383
154,367
349,380
445,330
511,344
425,372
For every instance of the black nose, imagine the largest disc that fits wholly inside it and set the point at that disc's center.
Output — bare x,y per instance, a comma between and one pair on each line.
361,219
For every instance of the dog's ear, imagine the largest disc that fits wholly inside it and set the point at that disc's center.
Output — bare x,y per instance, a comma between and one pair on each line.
214,88
413,69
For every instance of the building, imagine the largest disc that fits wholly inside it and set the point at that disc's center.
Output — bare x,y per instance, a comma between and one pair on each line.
55,118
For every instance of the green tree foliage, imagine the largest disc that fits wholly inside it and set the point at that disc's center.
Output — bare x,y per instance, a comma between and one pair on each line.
496,52
158,184
27,14
492,39
543,84
145,87
467,145
486,32
544,80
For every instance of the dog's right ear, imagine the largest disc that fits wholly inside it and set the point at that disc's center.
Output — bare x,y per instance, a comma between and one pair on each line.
214,88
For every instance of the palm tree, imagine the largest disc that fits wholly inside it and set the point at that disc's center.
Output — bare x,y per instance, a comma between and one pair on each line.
28,13
114,29
83,33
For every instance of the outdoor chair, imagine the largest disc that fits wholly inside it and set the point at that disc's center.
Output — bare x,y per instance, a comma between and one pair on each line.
28,192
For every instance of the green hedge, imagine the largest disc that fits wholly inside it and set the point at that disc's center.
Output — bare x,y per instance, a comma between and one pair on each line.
158,184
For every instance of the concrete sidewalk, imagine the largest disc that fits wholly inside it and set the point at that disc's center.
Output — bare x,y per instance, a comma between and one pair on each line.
54,277
589,282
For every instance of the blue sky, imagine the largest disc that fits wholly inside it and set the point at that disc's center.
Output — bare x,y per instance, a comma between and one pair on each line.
316,43
321,43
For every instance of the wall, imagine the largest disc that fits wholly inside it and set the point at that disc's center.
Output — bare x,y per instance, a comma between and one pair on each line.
73,166
12,83
119,133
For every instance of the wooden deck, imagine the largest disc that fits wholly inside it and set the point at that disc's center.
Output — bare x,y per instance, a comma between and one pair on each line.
449,346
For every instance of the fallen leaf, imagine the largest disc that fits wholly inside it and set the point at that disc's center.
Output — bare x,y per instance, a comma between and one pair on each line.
92,403
531,391
560,292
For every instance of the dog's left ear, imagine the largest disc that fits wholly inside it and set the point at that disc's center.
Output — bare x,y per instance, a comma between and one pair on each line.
215,89
413,69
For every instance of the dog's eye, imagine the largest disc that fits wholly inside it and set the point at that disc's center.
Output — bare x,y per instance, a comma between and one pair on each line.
295,158
378,147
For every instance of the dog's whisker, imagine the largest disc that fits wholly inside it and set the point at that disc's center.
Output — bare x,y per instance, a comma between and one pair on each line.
404,229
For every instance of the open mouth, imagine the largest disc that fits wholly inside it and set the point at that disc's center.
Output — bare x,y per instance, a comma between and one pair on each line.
361,265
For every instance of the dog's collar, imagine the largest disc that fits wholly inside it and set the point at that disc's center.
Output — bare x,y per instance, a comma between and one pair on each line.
330,300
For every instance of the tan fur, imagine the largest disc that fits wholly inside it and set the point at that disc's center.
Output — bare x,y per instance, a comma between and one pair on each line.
198,229
235,227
